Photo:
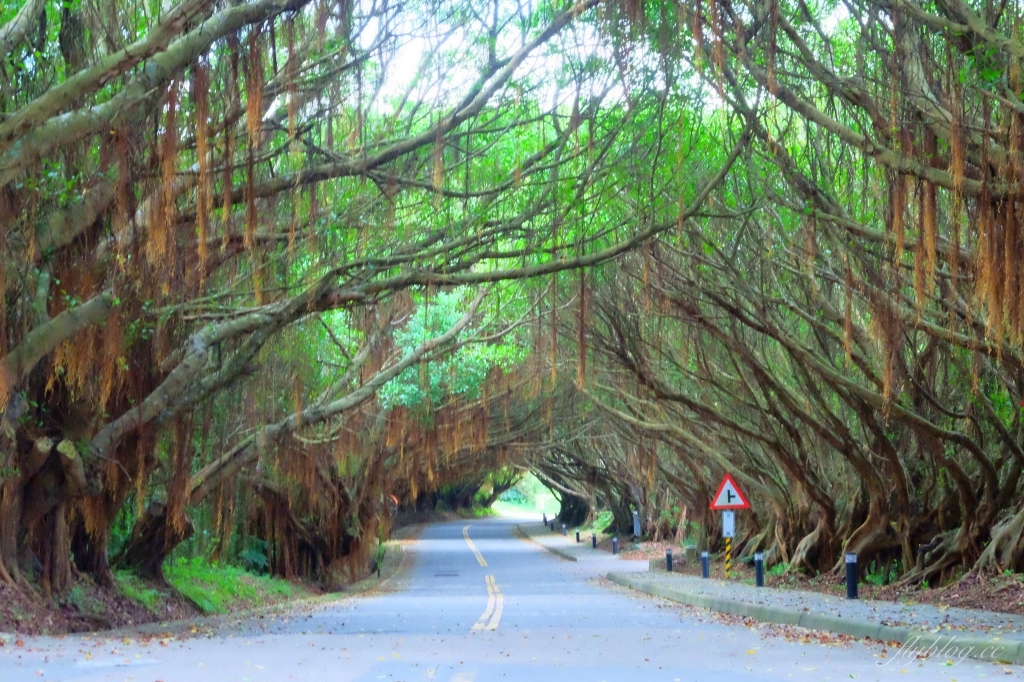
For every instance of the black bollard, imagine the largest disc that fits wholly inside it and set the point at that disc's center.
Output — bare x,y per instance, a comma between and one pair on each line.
668,559
565,530
705,565
577,536
552,525
593,540
545,519
759,569
851,576
615,545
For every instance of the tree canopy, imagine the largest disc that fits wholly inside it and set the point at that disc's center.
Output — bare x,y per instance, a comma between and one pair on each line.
266,264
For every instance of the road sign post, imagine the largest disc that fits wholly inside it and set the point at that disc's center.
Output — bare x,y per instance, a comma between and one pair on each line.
728,524
727,500
728,532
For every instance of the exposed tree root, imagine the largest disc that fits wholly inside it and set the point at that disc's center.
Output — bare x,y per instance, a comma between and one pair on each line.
815,548
1006,549
946,552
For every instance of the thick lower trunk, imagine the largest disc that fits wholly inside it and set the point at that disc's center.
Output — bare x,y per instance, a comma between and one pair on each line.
90,551
54,543
868,539
809,551
10,516
153,539
758,542
574,511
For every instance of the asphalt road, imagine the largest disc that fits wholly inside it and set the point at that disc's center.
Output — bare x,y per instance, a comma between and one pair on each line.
478,603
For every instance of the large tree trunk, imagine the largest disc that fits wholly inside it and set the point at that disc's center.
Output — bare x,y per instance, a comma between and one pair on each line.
91,552
1006,549
574,511
816,548
152,540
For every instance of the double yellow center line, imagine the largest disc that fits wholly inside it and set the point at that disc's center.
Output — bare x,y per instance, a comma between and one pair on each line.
495,605
479,556
495,599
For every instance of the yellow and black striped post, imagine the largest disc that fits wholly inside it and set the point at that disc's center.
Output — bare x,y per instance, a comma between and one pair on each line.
728,557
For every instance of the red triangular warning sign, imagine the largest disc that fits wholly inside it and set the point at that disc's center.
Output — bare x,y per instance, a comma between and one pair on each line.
729,496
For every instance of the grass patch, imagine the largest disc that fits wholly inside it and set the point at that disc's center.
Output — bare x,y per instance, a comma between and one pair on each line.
132,587
215,589
79,598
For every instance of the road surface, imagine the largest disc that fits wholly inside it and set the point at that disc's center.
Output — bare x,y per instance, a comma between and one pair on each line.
479,603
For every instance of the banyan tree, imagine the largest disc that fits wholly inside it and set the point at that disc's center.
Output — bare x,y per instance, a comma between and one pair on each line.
270,266
219,218
842,328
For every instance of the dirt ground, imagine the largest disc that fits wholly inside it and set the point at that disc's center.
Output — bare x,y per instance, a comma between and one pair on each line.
86,608
1000,593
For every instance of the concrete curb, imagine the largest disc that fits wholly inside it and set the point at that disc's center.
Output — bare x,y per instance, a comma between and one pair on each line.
562,554
989,649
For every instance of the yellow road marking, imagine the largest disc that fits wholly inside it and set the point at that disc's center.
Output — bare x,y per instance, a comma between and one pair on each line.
492,624
495,606
479,556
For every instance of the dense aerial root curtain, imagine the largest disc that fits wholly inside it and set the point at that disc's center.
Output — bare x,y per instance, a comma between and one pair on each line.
204,188
553,330
581,341
899,351
159,246
253,127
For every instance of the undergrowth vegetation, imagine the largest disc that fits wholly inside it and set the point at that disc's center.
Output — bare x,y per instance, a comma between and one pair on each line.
216,589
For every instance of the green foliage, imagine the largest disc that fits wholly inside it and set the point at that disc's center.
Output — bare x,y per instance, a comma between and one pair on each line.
513,496
528,495
130,586
216,588
254,556
79,598
778,569
882,574
460,373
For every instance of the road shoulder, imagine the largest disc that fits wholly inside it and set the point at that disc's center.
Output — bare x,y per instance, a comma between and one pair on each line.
910,625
